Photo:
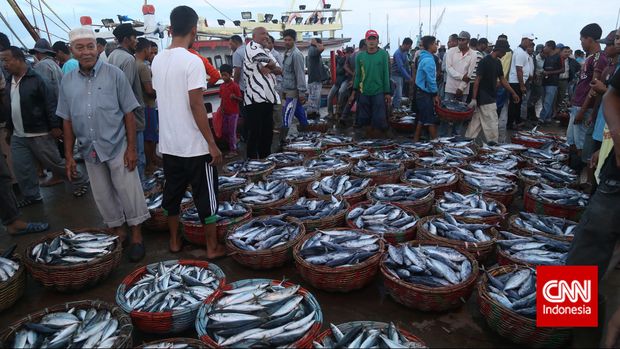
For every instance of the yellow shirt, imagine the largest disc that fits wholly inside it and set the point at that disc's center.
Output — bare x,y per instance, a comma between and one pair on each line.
604,152
506,60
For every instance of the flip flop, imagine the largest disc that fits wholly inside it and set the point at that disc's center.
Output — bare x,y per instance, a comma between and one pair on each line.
81,191
32,228
28,202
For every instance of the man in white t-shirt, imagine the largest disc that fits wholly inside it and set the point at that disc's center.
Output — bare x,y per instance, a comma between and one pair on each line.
519,73
185,140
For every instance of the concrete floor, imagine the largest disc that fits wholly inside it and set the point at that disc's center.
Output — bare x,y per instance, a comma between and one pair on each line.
464,327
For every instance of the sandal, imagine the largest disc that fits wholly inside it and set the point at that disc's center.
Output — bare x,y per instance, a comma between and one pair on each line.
32,228
28,202
81,191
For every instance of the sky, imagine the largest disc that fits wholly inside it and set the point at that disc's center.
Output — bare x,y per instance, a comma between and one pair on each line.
559,20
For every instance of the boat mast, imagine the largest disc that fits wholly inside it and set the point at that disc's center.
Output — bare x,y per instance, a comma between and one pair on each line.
18,11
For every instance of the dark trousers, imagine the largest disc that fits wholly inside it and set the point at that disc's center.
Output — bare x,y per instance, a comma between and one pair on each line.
514,109
598,230
8,203
259,124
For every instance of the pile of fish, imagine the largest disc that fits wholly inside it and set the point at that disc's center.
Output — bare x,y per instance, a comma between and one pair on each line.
375,143
508,147
533,136
155,180
439,161
449,228
455,152
340,185
382,218
426,176
404,119
154,201
304,137
488,182
559,196
399,193
291,173
432,266
515,290
545,224
259,315
339,248
285,158
327,163
304,145
349,152
417,146
536,249
545,154
505,168
500,156
261,193
313,209
375,166
75,328
248,166
8,267
335,139
227,182
316,121
362,336
456,106
456,141
471,206
73,248
225,211
397,154
170,287
555,173
264,233
168,345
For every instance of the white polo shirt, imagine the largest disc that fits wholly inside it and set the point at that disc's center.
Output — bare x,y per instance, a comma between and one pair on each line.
520,58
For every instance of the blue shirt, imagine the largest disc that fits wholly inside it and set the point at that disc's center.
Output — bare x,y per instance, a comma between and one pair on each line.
96,104
401,66
69,66
426,76
599,126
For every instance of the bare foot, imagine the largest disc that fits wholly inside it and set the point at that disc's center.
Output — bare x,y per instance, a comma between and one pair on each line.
218,252
50,182
176,245
16,226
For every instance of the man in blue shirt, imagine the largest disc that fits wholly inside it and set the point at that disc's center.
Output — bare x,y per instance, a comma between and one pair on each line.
63,55
426,83
401,70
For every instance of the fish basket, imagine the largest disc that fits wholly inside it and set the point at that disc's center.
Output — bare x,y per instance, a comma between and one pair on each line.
420,164
467,159
438,189
526,183
304,342
404,127
372,325
225,194
251,176
75,277
340,279
383,177
426,298
301,184
179,342
531,204
513,326
392,237
504,258
329,172
421,207
265,259
453,116
410,163
166,322
12,289
529,143
159,220
482,251
329,222
268,208
293,163
374,148
493,220
322,127
308,153
195,233
125,328
350,199
505,198
514,228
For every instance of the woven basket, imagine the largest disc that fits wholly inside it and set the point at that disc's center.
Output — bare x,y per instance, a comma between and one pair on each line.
481,251
265,259
308,153
373,148
467,159
504,258
503,197
195,233
251,176
368,324
431,298
528,143
328,172
225,194
12,289
525,183
392,238
123,339
69,278
282,164
329,222
454,116
493,220
167,322
409,163
301,184
304,342
348,158
531,204
317,127
268,208
327,145
190,342
402,126
439,190
159,220
383,177
420,164
421,207
351,199
341,279
514,228
513,326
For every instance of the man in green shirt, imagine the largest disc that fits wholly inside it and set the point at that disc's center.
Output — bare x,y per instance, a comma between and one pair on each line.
372,86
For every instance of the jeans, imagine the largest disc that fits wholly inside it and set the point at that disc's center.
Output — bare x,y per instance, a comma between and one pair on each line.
335,92
372,110
447,128
8,203
141,156
514,109
259,123
398,91
576,133
314,97
548,101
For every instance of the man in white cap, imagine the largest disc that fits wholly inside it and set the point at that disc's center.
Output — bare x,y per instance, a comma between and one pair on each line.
97,103
519,73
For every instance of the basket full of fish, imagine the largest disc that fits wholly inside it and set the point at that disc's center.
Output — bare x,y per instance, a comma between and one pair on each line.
338,260
259,313
556,174
317,126
227,185
159,220
391,221
507,299
352,189
397,155
528,224
501,148
82,324
332,141
349,152
228,214
164,297
12,278
439,180
73,260
263,197
530,250
174,343
454,141
476,238
403,122
429,276
454,111
456,153
376,144
498,187
285,159
154,182
380,172
309,149
264,242
299,176
419,200
532,138
558,202
545,155
439,162
317,213
419,148
471,208
329,165
366,334
253,170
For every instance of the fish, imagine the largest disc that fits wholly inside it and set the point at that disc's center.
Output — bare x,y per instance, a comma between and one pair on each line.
227,182
304,137
327,164
429,177
455,141
340,185
500,157
155,200
339,248
291,173
535,249
546,154
243,167
264,315
155,180
381,218
226,211
431,266
417,146
264,192
533,135
439,162
488,182
8,268
349,152
304,145
399,193
455,152
306,209
375,143
362,336
404,119
449,228
397,154
335,139
552,174
74,248
473,206
169,345
507,168
285,158
375,166
264,233
508,147
515,290
559,196
535,223
455,105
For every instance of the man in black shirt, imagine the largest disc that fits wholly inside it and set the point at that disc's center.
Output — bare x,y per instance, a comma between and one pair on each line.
552,68
485,94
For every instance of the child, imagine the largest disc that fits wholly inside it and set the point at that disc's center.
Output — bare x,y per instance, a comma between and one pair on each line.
229,106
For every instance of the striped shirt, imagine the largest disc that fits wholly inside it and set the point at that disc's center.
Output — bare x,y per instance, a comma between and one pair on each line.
259,88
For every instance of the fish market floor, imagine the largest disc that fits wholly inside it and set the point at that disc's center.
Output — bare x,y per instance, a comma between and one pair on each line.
464,327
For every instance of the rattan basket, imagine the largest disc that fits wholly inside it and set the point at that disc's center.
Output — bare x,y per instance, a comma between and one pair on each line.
12,289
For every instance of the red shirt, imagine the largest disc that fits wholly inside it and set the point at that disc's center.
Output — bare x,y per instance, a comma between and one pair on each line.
228,105
214,74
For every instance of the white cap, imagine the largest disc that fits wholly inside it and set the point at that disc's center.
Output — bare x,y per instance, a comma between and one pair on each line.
81,33
529,36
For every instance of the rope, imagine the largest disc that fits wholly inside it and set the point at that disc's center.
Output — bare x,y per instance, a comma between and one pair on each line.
11,29
218,11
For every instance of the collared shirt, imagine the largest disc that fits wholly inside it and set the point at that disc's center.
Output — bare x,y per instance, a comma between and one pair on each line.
237,60
96,104
459,64
124,60
259,88
293,71
520,58
280,59
51,72
69,66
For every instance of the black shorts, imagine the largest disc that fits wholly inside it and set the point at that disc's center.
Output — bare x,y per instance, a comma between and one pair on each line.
196,172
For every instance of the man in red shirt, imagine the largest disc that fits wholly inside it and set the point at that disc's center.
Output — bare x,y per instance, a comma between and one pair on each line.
229,107
214,75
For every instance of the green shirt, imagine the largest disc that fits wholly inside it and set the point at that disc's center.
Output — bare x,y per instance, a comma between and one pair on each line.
372,73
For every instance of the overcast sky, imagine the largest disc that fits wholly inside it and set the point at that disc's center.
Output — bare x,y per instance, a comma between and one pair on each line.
560,20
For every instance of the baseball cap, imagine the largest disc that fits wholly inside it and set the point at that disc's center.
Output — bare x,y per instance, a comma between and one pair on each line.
529,36
371,33
609,39
560,46
464,35
125,30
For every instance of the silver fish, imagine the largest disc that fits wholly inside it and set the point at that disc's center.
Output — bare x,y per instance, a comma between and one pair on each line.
537,249
382,218
455,152
450,228
509,147
72,248
291,173
264,192
488,182
361,336
393,154
404,119
535,223
285,158
399,193
456,141
468,206
349,152
340,185
373,166
339,248
439,161
375,143
327,164
264,233
155,180
8,268
552,173
313,209
417,146
429,177
226,182
335,139
248,166
304,137
515,290
560,196
304,145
